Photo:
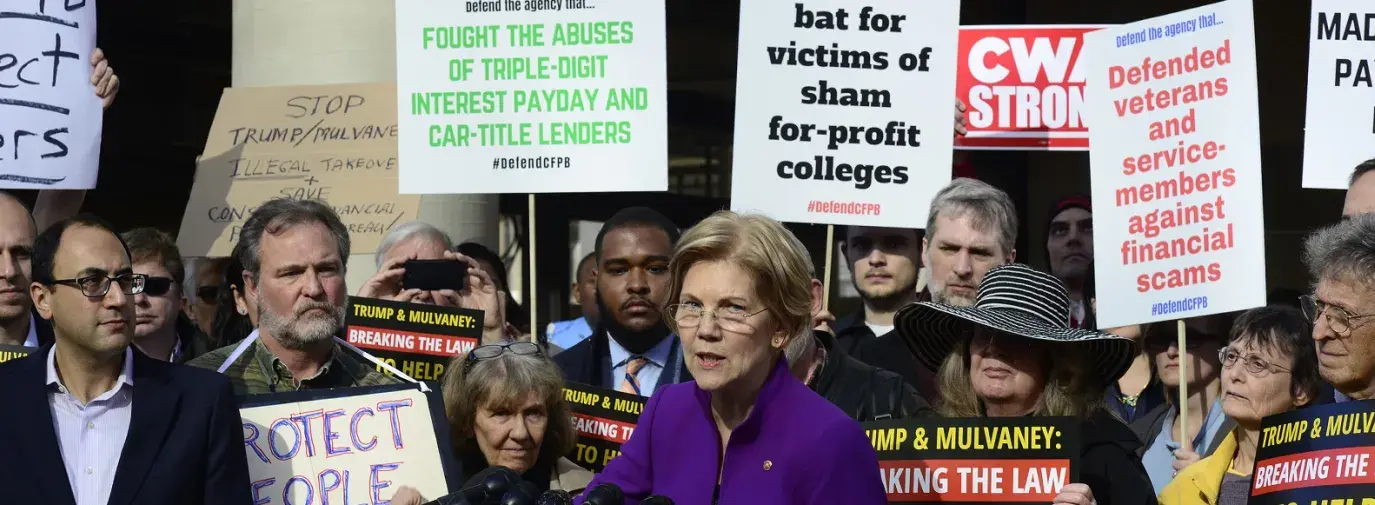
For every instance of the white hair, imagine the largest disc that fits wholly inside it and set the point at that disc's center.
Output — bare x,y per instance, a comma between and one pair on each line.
408,230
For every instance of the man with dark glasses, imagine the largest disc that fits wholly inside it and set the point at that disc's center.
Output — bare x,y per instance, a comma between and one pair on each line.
90,410
162,329
206,275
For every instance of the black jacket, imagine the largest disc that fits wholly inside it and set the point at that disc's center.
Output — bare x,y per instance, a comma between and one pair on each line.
893,353
589,362
852,333
1109,464
863,392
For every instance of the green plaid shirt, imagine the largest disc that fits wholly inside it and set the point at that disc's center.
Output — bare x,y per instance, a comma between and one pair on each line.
257,371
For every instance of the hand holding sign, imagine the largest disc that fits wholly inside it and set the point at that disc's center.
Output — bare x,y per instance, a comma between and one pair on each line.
103,78
1075,494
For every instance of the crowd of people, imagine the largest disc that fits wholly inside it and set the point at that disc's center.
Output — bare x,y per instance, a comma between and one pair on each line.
754,391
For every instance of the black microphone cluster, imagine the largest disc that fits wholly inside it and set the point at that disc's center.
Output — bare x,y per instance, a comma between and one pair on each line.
501,486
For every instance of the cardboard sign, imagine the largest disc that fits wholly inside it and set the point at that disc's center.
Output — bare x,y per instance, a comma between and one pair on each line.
604,419
1340,119
555,97
1024,87
11,352
417,339
1319,454
351,445
333,143
1178,219
1002,460
842,110
50,117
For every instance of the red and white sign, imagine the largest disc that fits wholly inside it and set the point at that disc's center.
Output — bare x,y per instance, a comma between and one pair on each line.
1023,87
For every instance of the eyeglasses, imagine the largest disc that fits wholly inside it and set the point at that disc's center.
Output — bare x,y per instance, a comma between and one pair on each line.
98,285
157,286
1254,364
1338,319
490,351
733,319
209,295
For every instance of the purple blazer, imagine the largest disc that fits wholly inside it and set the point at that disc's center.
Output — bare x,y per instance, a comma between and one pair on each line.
795,448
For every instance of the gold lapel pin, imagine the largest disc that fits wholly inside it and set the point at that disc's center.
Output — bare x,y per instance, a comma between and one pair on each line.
767,465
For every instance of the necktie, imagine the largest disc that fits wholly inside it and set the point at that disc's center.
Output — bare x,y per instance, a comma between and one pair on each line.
631,384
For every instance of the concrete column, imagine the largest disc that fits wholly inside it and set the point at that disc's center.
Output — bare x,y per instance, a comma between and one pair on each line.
301,42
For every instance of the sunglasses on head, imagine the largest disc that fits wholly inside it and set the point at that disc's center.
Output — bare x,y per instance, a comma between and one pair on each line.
157,286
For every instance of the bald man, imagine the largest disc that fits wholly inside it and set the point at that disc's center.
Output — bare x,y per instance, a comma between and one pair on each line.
1360,196
18,326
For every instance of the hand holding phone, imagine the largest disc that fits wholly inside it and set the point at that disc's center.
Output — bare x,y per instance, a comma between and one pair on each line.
435,275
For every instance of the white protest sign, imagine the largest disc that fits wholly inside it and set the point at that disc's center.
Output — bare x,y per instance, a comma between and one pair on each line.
1339,128
844,110
50,118
1178,221
351,449
494,98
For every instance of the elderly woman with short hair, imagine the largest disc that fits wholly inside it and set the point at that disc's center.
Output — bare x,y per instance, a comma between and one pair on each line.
505,407
1014,354
744,431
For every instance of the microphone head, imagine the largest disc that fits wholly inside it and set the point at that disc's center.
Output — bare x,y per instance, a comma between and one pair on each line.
524,493
489,484
655,499
605,494
555,497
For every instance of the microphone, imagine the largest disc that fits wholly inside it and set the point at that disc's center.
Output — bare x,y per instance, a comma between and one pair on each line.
605,494
524,493
655,499
555,497
484,488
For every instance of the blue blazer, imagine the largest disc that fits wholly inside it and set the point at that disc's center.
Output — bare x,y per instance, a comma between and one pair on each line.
185,441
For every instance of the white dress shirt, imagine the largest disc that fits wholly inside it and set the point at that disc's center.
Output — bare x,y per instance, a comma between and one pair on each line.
32,339
91,436
656,359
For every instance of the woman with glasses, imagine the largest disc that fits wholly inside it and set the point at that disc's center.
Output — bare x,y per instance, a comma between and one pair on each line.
1269,367
1165,452
505,407
745,431
235,317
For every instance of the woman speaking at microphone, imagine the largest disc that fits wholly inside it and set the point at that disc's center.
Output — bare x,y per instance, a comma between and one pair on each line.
745,431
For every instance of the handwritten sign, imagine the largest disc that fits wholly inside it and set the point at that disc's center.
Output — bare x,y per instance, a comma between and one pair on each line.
603,419
1339,124
349,448
1004,460
334,143
417,339
555,100
50,118
1317,454
1175,165
12,352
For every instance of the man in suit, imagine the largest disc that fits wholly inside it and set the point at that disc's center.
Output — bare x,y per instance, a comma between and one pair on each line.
90,420
632,349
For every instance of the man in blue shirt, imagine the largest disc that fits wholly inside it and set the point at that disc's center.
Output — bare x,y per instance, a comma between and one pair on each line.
565,334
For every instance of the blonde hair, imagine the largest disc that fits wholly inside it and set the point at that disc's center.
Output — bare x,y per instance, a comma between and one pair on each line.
764,249
1071,388
506,381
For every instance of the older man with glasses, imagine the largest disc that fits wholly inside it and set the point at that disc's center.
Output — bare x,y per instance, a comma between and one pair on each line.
1341,258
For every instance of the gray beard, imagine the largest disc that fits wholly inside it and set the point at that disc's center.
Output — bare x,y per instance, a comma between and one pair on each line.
939,297
298,334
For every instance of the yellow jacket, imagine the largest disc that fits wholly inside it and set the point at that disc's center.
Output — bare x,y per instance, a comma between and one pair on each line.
1200,482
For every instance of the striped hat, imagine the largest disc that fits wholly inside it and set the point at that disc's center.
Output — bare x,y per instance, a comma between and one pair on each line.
1016,300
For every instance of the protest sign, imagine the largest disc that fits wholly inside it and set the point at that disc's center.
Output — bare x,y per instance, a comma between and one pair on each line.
603,419
1340,120
842,110
1317,455
1004,460
1024,87
1178,221
349,445
417,339
556,97
50,117
9,352
332,143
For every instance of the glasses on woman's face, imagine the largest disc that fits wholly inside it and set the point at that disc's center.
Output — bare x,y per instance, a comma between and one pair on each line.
95,286
732,318
1338,319
1254,364
208,295
490,351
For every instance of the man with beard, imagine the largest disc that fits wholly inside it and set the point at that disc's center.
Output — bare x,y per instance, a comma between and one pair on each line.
293,254
971,228
884,263
632,349
1069,246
